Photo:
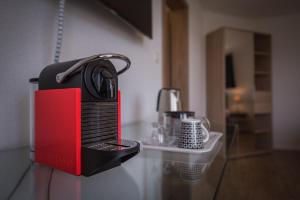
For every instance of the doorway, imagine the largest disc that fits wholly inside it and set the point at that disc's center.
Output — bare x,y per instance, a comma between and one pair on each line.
175,48
239,89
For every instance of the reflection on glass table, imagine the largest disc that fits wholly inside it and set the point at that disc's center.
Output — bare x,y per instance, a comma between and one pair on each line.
149,175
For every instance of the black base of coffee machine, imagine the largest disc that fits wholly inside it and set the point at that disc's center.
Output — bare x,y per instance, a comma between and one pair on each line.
102,156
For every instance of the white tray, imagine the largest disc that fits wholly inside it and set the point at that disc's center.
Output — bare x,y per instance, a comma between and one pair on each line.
208,146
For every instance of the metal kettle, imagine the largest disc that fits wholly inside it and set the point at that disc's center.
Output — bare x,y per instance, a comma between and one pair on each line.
168,99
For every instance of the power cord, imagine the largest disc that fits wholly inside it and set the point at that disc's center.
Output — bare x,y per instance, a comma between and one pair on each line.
19,181
22,178
60,28
59,40
49,183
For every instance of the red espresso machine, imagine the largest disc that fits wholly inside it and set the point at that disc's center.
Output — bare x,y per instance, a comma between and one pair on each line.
78,116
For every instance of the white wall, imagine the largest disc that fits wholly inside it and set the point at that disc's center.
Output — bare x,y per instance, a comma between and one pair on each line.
197,70
285,69
212,21
27,38
28,33
286,79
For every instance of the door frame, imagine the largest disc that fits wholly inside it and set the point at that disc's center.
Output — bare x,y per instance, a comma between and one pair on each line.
175,70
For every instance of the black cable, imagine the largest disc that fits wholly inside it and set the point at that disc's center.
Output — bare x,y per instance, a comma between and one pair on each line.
60,28
220,180
19,181
49,184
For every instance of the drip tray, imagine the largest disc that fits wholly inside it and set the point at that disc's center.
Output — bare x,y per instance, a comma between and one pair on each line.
114,145
105,155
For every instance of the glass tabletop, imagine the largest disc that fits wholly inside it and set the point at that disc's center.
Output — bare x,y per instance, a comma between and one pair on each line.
151,174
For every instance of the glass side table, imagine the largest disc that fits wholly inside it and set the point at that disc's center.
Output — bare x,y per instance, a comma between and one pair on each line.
149,175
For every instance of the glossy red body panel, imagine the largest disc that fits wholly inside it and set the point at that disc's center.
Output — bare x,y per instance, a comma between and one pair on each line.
119,116
58,129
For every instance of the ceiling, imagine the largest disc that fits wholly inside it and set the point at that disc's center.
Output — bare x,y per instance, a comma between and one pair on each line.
253,8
